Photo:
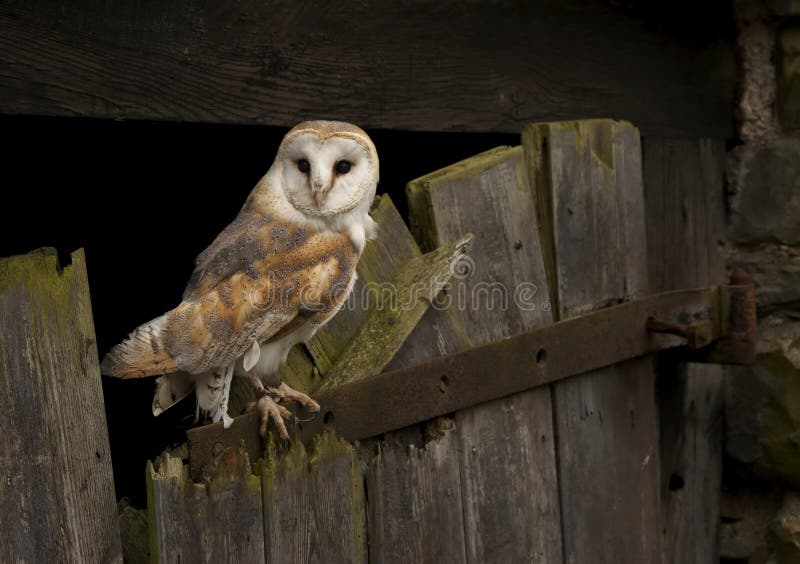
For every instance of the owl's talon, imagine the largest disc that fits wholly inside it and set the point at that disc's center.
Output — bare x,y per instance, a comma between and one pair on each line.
271,410
301,398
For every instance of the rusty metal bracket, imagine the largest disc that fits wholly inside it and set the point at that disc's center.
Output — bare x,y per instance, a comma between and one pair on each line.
715,324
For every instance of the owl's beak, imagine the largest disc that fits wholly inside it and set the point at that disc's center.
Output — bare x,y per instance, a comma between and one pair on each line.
320,191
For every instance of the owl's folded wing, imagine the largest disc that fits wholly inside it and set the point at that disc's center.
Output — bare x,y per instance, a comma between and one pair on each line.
263,279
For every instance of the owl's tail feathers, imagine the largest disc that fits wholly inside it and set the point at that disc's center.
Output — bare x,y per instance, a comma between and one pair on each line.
140,355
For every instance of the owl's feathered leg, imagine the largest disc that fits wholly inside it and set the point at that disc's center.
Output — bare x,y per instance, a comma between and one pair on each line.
226,392
213,391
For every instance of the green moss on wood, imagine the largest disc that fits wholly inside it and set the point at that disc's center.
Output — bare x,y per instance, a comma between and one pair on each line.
387,327
134,533
39,274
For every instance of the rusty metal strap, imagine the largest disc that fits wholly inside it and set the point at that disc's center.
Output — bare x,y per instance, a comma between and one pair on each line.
715,324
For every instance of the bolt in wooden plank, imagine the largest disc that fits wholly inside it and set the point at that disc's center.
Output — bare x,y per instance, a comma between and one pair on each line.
506,447
219,520
685,203
57,494
314,507
588,181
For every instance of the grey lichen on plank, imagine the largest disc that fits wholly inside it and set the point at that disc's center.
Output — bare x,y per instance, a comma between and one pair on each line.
415,506
507,459
219,520
57,498
314,506
588,180
685,203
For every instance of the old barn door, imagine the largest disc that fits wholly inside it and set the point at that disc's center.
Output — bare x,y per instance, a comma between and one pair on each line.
563,472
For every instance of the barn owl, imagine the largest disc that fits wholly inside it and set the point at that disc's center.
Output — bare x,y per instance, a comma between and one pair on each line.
270,280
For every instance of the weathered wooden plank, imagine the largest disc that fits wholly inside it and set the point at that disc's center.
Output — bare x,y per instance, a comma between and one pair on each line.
511,509
429,66
314,507
57,498
415,505
507,457
384,284
220,520
588,180
489,196
418,283
685,202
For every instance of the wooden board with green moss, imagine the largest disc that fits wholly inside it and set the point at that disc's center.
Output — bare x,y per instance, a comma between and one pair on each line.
383,333
314,503
587,177
217,520
384,283
505,447
57,498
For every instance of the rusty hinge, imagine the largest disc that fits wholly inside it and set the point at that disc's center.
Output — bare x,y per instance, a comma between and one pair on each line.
715,324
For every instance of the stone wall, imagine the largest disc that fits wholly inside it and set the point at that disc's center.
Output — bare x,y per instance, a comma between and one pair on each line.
761,487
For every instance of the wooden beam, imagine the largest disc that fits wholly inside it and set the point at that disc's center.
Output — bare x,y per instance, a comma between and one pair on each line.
431,66
415,502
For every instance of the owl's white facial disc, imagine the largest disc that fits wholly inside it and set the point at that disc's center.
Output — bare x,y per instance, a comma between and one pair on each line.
327,175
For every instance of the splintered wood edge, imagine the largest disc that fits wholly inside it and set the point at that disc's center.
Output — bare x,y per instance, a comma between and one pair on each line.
386,329
41,266
169,467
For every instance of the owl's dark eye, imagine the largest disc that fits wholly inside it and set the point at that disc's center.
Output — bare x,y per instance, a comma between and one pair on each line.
303,166
343,167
